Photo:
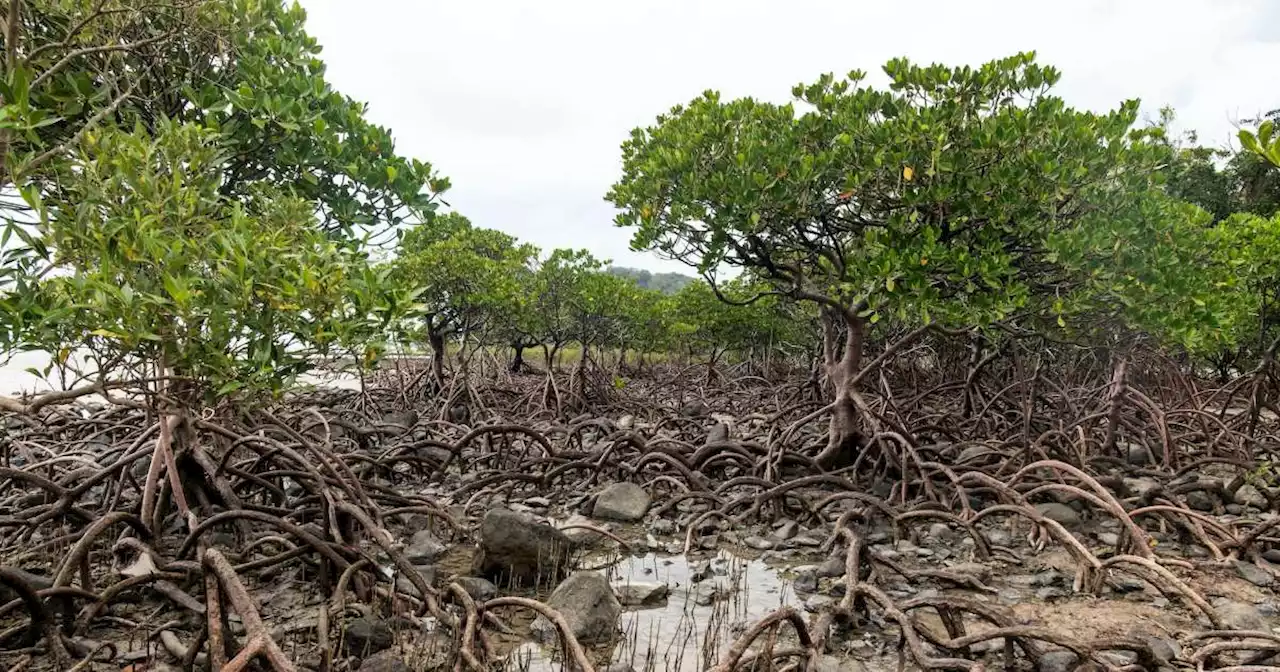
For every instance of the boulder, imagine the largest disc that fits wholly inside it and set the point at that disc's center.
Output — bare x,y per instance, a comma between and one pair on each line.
626,502
588,605
424,548
366,636
582,537
521,549
757,543
1060,513
1240,616
479,589
1254,574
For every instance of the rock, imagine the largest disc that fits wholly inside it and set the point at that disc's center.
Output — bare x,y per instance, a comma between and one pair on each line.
1200,500
521,549
904,546
1050,594
831,568
704,593
1127,584
627,422
1049,578
619,666
757,543
400,423
694,409
626,502
384,661
1108,538
1235,509
1165,650
807,540
1248,495
1138,455
710,542
787,529
719,433
366,636
1060,513
1057,661
1240,616
588,605
460,414
941,531
479,589
834,664
663,527
537,502
1141,487
1254,574
1271,555
633,594
806,582
581,536
977,570
817,603
999,537
405,585
424,548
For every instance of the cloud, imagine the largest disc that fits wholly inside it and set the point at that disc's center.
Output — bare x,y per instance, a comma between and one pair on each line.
524,105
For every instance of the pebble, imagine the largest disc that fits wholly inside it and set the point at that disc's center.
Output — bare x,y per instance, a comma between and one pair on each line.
1057,661
1271,555
663,527
1060,513
786,529
817,603
758,543
940,531
537,502
705,593
1254,574
807,540
831,568
806,582
1050,594
1108,538
632,594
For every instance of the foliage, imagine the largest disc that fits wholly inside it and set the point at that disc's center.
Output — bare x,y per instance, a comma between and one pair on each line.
144,262
741,318
934,199
244,68
666,283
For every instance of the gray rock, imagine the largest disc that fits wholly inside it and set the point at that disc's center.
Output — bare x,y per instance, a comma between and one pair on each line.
1271,555
941,531
1235,509
999,537
977,570
1057,661
366,636
663,527
831,568
807,540
627,422
405,585
588,605
1141,487
1200,500
694,409
718,434
1060,513
537,502
704,593
424,548
758,543
710,542
1138,455
1248,495
1049,578
1254,574
520,549
479,589
1164,649
626,502
384,661
806,582
834,664
1127,584
1109,538
582,537
787,529
634,594
1050,594
816,603
1240,616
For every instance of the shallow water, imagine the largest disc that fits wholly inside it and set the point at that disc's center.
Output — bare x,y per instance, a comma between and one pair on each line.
680,635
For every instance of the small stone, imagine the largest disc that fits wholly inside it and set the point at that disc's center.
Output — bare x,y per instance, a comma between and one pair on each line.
888,553
367,636
1160,602
710,542
1057,661
424,548
1271,555
537,502
1050,594
758,543
831,568
1108,538
1141,487
1254,574
663,527
1060,513
405,585
635,594
1044,579
1247,495
1235,509
924,552
904,546
584,537
787,529
1165,650
626,422
977,570
1119,658
705,593
384,661
807,540
1138,455
999,537
1127,584
817,603
479,589
806,582
941,531
1200,500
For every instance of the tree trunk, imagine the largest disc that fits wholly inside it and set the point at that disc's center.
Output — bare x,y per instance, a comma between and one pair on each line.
437,357
517,363
844,437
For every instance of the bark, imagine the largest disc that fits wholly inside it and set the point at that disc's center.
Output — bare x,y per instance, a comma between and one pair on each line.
844,435
517,363
436,340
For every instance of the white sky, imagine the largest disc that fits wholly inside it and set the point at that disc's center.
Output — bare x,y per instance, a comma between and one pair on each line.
524,104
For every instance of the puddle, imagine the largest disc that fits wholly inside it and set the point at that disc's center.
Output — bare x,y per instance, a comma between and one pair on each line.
683,632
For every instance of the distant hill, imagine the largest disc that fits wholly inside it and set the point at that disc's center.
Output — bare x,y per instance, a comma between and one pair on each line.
667,283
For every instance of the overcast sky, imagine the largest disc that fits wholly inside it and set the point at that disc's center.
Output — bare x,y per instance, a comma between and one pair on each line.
524,104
